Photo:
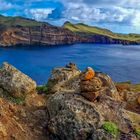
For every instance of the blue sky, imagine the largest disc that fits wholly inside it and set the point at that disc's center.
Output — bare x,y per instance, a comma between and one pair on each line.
117,15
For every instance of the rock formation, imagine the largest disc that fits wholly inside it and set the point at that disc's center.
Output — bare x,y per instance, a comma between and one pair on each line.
64,78
78,106
80,112
15,82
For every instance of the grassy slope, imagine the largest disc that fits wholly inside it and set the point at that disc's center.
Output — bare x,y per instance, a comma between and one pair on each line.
13,21
128,85
80,27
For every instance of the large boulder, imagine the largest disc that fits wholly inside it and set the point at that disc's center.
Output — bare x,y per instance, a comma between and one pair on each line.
71,117
64,78
15,82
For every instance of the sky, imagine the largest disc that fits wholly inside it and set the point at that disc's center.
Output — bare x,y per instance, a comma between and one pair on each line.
117,15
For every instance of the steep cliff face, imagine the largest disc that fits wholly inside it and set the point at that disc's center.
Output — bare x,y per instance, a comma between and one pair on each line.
43,35
51,35
103,39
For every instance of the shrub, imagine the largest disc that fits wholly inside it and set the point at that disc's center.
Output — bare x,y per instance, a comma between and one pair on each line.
42,88
110,128
137,133
17,100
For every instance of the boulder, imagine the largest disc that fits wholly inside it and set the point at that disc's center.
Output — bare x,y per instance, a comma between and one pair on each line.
15,82
88,74
92,85
101,83
71,117
64,78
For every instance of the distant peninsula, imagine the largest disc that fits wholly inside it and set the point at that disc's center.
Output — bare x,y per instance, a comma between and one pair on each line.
15,31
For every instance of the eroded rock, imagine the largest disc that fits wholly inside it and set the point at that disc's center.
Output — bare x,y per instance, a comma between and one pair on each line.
64,78
79,112
15,82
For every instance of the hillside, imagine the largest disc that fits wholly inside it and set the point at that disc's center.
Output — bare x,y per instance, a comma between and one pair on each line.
80,27
18,21
23,31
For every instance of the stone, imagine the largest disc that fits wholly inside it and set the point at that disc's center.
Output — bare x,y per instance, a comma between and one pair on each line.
71,116
138,100
92,85
88,74
91,96
63,78
71,66
78,112
15,82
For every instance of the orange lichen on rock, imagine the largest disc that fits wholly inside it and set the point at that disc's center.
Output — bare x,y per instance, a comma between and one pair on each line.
90,73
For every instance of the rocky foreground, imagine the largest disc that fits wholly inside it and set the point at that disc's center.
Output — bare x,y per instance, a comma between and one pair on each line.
73,105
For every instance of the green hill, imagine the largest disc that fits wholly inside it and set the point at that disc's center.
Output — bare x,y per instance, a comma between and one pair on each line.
14,21
80,27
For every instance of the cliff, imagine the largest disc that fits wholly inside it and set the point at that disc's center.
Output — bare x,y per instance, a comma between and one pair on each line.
37,35
23,31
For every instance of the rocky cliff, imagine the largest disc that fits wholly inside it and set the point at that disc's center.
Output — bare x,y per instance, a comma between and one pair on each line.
73,105
22,31
37,35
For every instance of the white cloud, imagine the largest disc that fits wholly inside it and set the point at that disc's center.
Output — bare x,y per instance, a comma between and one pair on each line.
105,11
5,5
136,19
39,13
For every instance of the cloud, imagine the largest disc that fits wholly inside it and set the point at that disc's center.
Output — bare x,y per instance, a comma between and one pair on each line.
5,5
93,12
105,11
40,13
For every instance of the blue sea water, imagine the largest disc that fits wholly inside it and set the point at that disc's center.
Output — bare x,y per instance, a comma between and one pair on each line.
122,63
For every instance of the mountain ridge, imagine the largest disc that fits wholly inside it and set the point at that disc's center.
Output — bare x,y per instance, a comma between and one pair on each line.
81,27
24,31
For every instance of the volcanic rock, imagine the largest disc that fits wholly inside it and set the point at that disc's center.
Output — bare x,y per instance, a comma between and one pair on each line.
15,82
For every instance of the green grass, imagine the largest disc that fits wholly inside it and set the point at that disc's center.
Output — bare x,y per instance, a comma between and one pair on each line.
128,84
111,128
14,21
137,133
17,100
42,89
80,27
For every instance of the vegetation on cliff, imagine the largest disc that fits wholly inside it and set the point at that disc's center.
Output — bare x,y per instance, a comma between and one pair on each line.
19,21
80,27
24,31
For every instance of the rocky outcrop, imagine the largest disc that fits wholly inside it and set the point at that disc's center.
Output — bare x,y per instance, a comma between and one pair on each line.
80,112
20,118
37,35
79,106
15,82
64,78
